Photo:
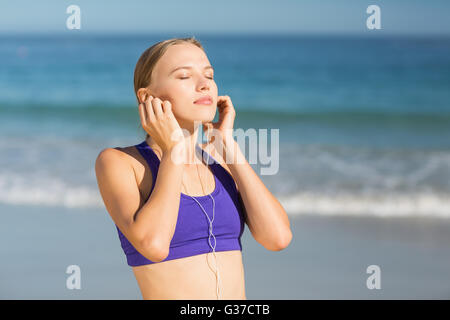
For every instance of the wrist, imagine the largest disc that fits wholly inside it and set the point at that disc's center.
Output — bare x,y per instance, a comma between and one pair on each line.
176,155
231,152
228,140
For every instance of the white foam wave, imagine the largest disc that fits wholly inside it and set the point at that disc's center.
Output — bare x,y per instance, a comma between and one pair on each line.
421,203
17,190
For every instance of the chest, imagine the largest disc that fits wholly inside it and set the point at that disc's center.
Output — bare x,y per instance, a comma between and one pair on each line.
217,204
196,181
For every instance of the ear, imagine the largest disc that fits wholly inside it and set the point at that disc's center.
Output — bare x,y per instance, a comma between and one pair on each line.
143,94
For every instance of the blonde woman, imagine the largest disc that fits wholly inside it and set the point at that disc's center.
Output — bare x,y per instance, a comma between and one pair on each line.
179,210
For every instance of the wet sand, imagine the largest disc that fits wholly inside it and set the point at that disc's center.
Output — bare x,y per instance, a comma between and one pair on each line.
327,258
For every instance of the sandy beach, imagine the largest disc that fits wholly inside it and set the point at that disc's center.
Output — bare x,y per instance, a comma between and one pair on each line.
327,258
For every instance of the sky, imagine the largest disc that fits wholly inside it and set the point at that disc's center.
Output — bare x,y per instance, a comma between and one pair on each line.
230,16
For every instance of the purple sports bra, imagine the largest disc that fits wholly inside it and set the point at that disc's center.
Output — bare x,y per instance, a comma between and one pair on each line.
192,228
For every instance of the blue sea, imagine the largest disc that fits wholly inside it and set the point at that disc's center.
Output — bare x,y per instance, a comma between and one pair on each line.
364,122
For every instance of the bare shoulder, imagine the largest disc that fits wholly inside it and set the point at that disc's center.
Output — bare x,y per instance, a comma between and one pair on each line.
115,155
128,156
125,164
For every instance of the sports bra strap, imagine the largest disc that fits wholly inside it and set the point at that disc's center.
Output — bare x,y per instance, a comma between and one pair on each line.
152,159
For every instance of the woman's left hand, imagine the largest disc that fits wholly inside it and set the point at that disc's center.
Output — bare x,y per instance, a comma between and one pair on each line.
224,126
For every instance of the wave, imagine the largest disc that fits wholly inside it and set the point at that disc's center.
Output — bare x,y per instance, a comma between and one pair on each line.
424,204
52,192
56,193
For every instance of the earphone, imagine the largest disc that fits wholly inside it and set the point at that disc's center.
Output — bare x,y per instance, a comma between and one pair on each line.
211,233
209,240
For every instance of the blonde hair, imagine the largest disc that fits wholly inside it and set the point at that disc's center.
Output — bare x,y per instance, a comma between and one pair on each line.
149,58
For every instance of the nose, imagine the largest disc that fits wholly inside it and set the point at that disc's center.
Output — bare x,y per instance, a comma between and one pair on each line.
203,84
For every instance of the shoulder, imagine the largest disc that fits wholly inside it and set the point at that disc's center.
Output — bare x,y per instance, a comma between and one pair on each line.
126,156
113,155
107,156
125,163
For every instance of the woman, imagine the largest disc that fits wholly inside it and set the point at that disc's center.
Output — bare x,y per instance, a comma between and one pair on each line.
172,209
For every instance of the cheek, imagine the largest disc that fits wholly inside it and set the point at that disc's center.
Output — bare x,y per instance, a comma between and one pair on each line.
214,88
180,104
180,90
176,94
185,89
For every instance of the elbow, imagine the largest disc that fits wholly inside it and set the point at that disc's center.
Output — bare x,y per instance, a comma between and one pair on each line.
276,244
154,252
283,241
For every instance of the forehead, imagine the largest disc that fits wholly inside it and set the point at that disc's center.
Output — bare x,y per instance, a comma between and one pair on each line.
180,55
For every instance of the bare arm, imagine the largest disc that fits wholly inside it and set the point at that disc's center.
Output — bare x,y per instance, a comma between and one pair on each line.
266,218
148,227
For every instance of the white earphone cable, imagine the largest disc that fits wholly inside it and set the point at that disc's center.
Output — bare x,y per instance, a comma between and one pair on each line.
211,234
209,240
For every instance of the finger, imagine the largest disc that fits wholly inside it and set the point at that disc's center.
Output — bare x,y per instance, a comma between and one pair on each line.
223,103
157,108
223,98
146,98
149,109
167,107
142,114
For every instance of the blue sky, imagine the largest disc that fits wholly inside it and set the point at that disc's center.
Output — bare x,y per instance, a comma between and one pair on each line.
227,16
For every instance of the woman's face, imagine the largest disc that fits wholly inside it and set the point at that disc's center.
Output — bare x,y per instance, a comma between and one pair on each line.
183,86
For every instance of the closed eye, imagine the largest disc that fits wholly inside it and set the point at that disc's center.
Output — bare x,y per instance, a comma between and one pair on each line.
188,78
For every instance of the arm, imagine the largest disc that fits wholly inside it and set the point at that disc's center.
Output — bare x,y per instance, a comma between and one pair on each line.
265,217
149,227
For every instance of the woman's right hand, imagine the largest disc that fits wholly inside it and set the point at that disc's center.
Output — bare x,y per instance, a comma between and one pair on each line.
159,122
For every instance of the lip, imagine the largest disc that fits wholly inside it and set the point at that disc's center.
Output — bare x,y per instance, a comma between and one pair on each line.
204,100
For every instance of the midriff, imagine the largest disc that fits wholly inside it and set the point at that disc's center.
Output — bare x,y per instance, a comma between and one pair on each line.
193,278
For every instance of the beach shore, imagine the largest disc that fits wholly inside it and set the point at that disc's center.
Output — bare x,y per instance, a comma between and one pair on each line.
327,258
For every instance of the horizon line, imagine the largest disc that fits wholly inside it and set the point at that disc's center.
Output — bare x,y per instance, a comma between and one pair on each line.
367,34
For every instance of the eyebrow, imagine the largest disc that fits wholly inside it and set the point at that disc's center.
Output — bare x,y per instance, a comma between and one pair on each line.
188,67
